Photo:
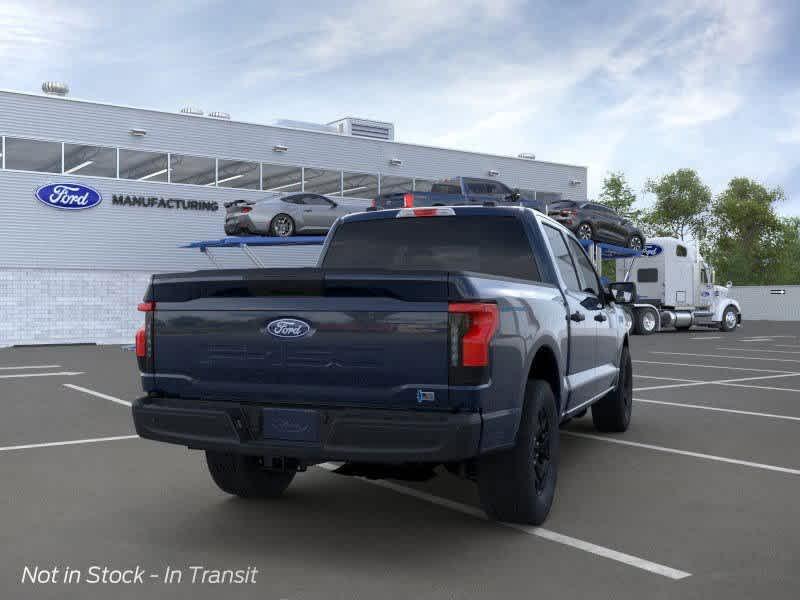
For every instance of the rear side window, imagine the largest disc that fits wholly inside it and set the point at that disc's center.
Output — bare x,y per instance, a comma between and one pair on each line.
585,269
445,188
490,245
563,260
647,275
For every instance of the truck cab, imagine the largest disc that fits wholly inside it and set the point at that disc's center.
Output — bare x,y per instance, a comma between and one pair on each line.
675,288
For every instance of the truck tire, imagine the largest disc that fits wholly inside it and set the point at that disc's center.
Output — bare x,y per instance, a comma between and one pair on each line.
730,319
518,485
645,321
245,476
612,413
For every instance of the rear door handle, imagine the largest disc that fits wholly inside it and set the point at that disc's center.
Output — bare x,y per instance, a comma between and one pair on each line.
600,317
307,210
577,316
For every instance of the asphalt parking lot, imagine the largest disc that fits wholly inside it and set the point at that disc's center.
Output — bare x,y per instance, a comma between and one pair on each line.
699,499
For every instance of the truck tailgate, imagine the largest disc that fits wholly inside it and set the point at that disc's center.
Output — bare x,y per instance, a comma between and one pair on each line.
302,336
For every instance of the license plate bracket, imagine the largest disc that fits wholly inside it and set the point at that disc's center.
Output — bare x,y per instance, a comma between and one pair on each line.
290,424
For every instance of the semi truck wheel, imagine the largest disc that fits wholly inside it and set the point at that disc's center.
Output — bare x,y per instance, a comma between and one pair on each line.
730,319
612,413
518,485
245,476
645,321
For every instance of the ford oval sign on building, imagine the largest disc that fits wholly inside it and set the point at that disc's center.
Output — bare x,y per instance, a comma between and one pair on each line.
68,196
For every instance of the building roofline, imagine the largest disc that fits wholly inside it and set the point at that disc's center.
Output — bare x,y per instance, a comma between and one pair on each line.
339,135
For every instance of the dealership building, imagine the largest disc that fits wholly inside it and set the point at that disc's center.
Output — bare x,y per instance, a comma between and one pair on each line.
159,180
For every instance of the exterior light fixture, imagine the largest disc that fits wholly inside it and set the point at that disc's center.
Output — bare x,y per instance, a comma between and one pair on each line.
575,182
138,132
493,173
396,162
527,155
279,148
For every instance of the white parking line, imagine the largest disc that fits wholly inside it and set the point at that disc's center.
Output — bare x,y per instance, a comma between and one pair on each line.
628,559
794,360
786,345
19,375
761,387
68,443
725,367
98,394
717,382
30,367
760,350
723,459
717,409
668,378
713,337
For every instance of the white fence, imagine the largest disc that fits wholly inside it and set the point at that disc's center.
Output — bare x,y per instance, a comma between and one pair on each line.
768,302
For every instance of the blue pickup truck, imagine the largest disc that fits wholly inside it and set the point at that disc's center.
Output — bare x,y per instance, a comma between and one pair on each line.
454,336
459,191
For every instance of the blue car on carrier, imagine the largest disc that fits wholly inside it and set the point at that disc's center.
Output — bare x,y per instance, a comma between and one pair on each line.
426,336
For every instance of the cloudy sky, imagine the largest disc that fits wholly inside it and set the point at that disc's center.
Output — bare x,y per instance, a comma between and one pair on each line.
640,87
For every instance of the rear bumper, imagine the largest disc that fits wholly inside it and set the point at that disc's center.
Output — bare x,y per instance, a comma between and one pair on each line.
344,434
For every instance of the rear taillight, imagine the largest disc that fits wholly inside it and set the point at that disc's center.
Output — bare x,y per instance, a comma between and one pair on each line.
471,326
144,338
408,200
570,212
246,209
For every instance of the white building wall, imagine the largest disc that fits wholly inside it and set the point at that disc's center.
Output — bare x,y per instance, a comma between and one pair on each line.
76,276
768,303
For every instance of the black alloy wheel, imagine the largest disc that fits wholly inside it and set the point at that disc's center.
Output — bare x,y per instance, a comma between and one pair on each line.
584,231
541,451
635,243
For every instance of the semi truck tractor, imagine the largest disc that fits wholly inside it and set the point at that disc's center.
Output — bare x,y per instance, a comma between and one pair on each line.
675,288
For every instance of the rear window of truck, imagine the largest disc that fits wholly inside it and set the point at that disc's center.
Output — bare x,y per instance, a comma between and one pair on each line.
489,245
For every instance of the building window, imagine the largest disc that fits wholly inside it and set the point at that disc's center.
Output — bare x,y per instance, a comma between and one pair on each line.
396,185
33,155
144,166
195,170
680,251
323,181
360,185
238,174
280,178
423,185
90,160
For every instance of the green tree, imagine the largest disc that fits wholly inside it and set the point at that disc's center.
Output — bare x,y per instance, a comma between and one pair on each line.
681,205
618,195
749,242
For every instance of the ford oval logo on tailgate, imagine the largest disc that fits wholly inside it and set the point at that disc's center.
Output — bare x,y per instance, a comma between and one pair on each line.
69,196
287,328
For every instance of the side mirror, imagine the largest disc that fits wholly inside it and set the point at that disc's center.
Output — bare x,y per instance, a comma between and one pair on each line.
729,285
622,292
333,204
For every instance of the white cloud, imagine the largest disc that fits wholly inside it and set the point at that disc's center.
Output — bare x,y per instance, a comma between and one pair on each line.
31,34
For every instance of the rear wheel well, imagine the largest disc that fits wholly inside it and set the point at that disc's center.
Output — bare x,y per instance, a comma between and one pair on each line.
545,366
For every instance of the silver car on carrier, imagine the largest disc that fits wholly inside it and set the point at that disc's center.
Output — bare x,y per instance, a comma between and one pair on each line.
283,215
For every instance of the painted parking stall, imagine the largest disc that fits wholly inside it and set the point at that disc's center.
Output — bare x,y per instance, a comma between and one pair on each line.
700,485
